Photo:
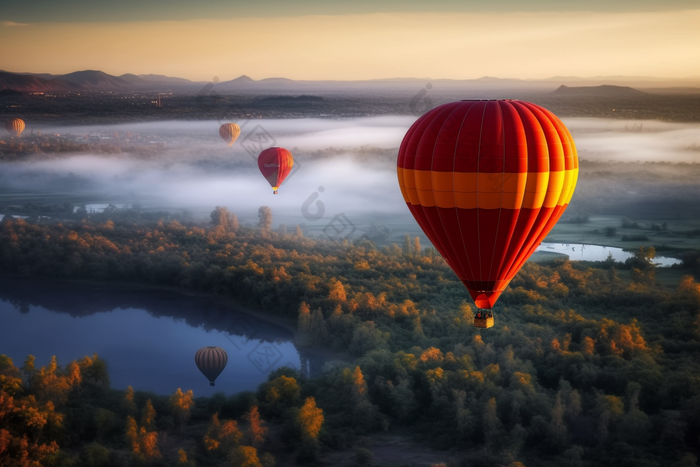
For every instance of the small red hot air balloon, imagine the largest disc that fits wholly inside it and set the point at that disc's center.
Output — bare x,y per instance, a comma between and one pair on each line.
211,361
487,181
275,164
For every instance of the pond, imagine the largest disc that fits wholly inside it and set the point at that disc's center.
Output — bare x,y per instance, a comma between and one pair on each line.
148,336
581,252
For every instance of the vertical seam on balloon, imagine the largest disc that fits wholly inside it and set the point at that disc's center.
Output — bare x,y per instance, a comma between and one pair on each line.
500,210
454,196
437,209
517,259
501,272
478,163
534,240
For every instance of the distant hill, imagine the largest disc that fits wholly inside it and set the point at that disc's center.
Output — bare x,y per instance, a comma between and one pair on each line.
484,87
133,79
97,80
604,90
165,79
29,83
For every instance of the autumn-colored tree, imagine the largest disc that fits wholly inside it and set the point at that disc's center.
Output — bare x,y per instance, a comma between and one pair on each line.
132,434
279,395
245,456
336,291
148,416
143,443
310,420
128,404
182,458
181,404
24,422
359,386
212,436
417,252
257,431
221,216
149,445
50,383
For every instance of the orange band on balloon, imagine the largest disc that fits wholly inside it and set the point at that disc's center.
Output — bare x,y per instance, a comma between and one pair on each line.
469,190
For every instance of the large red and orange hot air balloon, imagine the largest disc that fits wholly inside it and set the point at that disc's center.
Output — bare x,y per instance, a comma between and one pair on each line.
15,126
229,132
487,181
275,164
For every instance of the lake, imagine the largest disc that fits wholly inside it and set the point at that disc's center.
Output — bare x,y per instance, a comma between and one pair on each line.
581,252
148,336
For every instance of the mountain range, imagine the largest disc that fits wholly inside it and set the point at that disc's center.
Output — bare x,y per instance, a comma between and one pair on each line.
98,81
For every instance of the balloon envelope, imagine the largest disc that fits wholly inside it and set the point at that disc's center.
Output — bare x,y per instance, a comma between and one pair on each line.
211,361
229,132
15,126
275,164
487,181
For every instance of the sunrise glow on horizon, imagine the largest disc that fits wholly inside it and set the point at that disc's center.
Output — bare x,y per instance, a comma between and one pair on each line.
462,45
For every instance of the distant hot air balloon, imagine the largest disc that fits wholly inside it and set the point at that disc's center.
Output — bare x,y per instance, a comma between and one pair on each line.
229,132
211,361
487,181
275,164
15,126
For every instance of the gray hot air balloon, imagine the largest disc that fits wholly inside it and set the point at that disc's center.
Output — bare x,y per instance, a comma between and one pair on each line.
211,361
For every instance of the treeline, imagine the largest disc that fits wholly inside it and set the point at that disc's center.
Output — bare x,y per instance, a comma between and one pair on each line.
589,364
48,147
69,416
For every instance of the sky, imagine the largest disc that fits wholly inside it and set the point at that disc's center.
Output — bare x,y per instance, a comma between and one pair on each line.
363,39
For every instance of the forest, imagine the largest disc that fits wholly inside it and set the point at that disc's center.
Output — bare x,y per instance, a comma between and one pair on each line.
588,364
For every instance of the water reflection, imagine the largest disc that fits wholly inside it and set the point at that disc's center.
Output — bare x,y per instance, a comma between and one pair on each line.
147,336
578,251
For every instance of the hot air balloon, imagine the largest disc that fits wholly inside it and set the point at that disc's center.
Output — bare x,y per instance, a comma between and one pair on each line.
275,164
229,132
211,361
487,181
15,126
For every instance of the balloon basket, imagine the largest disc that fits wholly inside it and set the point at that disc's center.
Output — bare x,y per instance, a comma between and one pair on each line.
483,323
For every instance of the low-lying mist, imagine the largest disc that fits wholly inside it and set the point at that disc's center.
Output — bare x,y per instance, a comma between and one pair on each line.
345,164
